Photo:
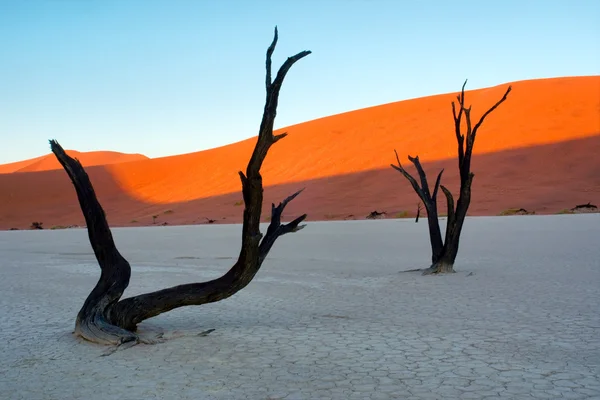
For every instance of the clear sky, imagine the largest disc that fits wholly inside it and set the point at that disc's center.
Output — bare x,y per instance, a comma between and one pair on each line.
177,76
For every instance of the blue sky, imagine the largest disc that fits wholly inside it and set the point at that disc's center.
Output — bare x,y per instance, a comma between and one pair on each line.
177,76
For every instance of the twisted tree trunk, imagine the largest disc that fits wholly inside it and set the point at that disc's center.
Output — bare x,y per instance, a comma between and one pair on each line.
106,319
444,252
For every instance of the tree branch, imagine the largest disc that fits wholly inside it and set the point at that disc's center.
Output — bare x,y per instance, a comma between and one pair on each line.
488,112
465,166
437,185
270,51
422,176
92,322
457,124
462,93
94,217
450,206
265,133
472,132
409,177
276,229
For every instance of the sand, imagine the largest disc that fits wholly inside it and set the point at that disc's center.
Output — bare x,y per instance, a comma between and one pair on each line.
538,151
90,158
330,315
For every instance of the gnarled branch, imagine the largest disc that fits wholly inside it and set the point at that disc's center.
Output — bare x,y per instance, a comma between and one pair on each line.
92,321
450,206
437,184
422,176
276,228
488,112
460,139
409,177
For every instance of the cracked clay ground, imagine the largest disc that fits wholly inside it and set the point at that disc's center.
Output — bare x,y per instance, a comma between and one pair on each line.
329,316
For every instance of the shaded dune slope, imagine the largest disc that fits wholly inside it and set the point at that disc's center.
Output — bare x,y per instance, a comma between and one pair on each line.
538,151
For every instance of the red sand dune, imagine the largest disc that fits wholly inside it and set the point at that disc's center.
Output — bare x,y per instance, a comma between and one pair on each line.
538,151
49,162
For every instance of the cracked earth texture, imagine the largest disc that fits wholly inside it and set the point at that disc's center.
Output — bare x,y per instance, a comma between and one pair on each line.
329,316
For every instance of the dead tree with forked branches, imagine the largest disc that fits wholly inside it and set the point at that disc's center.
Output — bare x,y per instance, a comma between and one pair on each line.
444,252
104,317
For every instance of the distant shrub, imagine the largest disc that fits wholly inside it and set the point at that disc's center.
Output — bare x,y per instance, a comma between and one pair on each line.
566,211
589,207
59,227
376,215
238,203
133,221
402,214
516,211
168,212
36,225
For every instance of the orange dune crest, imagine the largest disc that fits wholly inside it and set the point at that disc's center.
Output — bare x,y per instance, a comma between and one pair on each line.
49,162
537,112
538,151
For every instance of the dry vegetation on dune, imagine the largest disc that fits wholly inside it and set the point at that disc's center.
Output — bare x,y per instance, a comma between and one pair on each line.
537,152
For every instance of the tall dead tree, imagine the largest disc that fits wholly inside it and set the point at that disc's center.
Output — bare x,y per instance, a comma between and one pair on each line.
104,317
444,252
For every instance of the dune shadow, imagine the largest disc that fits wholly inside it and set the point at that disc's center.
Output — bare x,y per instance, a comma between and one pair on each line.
545,179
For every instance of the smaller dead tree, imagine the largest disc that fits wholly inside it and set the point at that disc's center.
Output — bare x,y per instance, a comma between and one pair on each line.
419,208
444,251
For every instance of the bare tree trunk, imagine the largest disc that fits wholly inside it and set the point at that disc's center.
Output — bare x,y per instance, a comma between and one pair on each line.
418,212
106,319
444,253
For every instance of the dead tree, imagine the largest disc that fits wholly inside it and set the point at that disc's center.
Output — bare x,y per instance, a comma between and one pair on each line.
104,317
419,208
444,251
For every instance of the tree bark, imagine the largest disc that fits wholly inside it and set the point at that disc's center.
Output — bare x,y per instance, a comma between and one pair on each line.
106,319
444,252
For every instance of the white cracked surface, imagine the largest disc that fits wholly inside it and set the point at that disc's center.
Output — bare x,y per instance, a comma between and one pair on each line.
328,317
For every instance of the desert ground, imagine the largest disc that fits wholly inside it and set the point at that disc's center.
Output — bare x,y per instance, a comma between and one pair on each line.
537,151
330,315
